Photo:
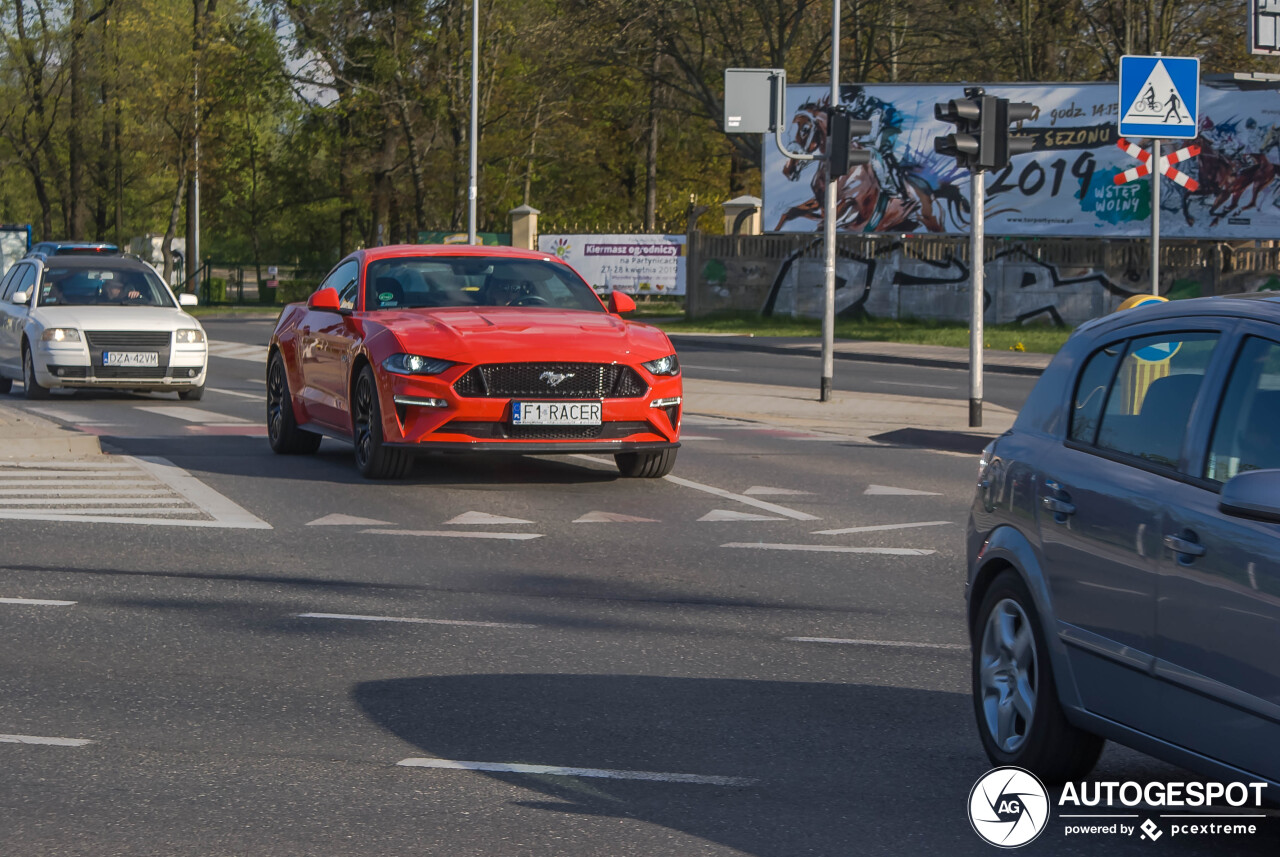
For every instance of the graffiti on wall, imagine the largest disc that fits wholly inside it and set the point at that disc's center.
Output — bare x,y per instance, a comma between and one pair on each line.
889,282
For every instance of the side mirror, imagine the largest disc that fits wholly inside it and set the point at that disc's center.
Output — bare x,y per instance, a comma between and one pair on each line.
187,299
20,298
1253,494
620,302
325,299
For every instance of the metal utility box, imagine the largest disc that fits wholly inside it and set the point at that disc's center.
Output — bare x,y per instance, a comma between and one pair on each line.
750,99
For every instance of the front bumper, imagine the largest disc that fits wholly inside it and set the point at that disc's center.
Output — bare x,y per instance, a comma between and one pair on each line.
68,364
427,413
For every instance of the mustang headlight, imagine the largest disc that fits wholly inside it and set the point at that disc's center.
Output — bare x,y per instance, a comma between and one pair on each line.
415,364
668,365
60,334
188,336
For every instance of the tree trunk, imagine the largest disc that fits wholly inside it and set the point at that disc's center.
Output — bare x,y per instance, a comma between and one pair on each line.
175,212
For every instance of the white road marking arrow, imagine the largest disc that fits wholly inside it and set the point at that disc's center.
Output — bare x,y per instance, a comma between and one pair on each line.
474,518
727,515
612,518
336,520
901,492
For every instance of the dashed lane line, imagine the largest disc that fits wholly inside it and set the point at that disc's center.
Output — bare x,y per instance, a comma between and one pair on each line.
37,602
829,549
892,644
350,617
880,528
558,771
36,739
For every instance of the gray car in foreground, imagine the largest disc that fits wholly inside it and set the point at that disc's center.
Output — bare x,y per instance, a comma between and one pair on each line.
1124,549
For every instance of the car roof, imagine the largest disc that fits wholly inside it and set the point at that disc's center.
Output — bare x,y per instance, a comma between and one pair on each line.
119,263
393,251
1264,306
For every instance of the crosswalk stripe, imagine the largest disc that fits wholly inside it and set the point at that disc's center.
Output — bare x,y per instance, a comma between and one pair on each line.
129,490
191,415
238,351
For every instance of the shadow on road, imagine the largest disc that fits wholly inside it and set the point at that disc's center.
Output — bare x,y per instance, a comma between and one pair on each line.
839,769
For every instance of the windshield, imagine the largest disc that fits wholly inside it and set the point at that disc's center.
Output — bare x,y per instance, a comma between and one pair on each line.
464,281
83,286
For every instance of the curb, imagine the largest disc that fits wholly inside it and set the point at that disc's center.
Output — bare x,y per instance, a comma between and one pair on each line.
863,357
27,436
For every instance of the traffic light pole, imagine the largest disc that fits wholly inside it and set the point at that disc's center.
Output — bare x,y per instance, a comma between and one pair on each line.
829,226
977,205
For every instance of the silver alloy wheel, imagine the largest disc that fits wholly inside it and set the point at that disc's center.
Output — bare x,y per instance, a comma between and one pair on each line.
1009,675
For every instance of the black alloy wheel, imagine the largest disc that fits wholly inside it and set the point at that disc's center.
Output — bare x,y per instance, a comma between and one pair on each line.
282,428
374,459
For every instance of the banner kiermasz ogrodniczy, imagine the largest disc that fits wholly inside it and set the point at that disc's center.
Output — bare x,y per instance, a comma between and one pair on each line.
636,264
1064,188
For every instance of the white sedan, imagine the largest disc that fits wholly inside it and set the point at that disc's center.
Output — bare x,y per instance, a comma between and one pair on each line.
97,322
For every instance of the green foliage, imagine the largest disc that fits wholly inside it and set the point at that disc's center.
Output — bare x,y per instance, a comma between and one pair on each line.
330,124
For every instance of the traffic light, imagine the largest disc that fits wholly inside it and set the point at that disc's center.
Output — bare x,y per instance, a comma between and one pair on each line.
982,140
841,128
997,144
1020,111
966,114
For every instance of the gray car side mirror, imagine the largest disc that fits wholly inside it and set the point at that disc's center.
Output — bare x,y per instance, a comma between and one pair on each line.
1253,494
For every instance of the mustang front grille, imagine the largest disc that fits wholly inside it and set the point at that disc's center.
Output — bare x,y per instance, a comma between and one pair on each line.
551,381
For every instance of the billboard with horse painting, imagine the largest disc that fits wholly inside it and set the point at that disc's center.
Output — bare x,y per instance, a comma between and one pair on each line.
1064,188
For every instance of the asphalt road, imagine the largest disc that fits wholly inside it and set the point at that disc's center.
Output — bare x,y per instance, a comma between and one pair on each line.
316,687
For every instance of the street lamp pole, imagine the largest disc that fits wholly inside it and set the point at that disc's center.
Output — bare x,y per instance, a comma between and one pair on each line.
829,290
475,118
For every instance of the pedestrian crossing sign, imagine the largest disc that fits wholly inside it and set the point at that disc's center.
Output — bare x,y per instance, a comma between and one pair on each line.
1159,97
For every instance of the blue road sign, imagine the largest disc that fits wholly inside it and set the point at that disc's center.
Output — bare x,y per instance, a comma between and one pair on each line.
1159,97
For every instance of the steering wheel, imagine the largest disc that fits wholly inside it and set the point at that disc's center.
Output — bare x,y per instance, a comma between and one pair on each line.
530,300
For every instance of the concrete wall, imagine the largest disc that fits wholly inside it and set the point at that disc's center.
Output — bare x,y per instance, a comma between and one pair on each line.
1061,282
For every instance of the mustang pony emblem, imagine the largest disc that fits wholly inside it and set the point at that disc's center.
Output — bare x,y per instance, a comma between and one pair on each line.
555,379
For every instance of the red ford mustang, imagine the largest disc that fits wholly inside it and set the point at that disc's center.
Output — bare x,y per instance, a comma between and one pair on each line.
412,348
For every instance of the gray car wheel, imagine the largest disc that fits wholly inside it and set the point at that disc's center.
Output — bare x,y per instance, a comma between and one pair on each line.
1020,718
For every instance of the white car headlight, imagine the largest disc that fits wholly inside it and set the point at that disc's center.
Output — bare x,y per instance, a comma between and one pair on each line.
60,334
188,336
414,364
668,365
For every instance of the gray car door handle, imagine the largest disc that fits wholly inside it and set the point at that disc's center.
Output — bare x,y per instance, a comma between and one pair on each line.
1058,507
1177,544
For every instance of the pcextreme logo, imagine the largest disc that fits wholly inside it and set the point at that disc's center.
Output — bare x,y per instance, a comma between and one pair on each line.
1009,807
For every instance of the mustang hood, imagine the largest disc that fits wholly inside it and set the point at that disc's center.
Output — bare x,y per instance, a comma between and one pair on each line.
506,334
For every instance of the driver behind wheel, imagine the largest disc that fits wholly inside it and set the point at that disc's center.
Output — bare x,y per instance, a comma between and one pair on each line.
507,292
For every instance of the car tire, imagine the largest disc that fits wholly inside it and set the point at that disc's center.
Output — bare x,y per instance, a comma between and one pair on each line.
1020,718
6,384
31,387
646,465
282,428
195,394
374,459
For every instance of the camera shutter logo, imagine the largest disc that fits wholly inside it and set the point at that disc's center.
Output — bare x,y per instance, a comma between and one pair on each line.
1009,807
